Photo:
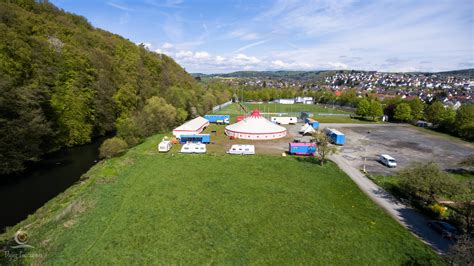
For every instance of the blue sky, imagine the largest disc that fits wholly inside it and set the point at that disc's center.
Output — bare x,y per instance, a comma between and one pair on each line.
223,36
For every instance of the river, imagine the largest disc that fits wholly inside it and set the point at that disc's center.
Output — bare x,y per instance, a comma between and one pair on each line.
21,195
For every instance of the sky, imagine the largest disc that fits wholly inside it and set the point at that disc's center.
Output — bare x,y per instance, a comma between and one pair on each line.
224,36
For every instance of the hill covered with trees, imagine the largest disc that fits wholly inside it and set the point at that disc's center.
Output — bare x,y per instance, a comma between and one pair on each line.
64,82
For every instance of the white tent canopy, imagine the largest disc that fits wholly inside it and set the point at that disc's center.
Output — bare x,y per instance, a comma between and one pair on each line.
255,127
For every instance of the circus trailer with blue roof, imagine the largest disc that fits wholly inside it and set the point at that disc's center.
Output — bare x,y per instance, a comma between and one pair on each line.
197,138
218,119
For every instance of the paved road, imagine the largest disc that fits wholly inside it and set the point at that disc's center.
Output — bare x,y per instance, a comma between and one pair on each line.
406,216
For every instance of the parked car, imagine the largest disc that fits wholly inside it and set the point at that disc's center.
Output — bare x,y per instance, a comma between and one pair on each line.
445,229
388,160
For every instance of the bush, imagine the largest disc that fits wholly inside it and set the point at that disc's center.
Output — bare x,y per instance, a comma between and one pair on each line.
112,147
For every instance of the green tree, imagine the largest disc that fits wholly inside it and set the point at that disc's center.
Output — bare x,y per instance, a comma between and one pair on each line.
465,121
435,112
427,182
324,148
375,109
417,108
112,147
403,112
363,108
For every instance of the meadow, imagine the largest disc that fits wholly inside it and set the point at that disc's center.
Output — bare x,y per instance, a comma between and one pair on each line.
151,208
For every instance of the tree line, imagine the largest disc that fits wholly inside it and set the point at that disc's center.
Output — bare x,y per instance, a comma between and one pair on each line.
64,82
458,122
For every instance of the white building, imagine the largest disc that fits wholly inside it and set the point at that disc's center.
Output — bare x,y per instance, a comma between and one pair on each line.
255,127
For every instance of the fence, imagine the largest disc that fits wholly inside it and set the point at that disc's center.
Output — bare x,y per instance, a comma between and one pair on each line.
219,107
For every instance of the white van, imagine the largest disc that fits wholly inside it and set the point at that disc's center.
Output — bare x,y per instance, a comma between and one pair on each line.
193,148
165,146
387,160
284,120
242,149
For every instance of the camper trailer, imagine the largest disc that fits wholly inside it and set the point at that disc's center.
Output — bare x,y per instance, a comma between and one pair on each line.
242,149
218,119
284,120
193,148
165,145
312,122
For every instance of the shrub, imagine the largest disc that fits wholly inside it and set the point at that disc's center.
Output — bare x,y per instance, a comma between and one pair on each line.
112,147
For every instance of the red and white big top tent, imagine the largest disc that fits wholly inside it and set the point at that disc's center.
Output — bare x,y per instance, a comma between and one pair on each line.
255,127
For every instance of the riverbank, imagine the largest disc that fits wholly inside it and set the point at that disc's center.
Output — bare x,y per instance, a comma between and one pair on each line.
145,207
22,194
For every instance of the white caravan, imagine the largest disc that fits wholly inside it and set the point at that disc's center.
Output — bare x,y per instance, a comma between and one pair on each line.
242,149
165,145
284,120
193,148
387,160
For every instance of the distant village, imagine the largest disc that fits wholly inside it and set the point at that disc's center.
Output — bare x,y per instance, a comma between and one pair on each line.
451,90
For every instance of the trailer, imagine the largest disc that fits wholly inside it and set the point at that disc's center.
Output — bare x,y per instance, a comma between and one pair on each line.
312,122
218,119
165,145
197,138
284,120
193,148
242,149
302,148
336,136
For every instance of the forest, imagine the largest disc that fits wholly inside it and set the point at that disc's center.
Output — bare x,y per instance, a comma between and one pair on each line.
64,82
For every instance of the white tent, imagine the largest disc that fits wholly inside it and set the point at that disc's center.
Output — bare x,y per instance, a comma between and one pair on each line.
191,127
309,130
255,127
304,127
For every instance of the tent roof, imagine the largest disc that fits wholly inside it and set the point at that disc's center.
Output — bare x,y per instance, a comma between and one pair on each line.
194,124
255,124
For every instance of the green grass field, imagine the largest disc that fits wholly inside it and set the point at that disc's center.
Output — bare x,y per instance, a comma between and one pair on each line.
292,109
150,208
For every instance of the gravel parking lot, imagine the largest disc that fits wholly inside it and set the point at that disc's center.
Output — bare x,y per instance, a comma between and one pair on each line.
405,143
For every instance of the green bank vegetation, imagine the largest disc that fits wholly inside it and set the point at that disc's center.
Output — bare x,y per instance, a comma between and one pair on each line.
64,82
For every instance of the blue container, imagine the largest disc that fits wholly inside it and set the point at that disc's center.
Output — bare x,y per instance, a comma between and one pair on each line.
202,138
302,148
312,122
336,137
218,118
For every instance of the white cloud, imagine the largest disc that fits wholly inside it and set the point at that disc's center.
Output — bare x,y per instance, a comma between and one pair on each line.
244,59
158,51
167,45
121,7
279,64
184,54
201,55
338,65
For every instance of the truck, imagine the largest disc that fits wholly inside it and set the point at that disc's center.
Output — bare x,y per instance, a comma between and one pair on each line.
218,119
242,149
302,148
284,120
312,122
335,136
197,138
